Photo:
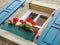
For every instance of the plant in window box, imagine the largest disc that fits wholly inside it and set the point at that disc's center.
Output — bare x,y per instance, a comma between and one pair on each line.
13,22
28,26
33,24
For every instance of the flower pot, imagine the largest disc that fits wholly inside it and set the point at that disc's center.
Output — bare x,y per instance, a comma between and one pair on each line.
19,31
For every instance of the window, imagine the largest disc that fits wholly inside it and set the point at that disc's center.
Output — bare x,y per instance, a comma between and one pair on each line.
38,17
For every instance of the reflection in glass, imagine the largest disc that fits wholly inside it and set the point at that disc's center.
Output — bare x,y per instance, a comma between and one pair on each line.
40,21
33,15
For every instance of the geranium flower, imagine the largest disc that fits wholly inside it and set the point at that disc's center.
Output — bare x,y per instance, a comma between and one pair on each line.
35,31
15,20
9,21
29,19
22,21
33,23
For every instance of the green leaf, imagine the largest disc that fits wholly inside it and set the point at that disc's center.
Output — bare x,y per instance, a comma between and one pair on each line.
12,23
28,27
21,25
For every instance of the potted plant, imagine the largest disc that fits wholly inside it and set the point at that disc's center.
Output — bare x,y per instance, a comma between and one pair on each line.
26,25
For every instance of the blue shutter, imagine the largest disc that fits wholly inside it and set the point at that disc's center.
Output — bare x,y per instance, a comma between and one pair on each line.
10,9
51,35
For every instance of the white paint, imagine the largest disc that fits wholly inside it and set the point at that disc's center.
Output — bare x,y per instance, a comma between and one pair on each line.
18,23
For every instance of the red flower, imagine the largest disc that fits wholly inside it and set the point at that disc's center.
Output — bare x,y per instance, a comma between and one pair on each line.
15,20
35,31
9,21
22,21
29,19
33,23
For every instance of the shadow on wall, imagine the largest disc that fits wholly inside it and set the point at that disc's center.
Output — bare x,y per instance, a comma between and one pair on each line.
4,41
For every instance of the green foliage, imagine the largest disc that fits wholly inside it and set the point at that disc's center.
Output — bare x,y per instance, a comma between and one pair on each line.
12,23
26,27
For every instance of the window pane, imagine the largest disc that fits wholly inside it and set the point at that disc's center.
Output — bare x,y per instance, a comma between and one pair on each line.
40,21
